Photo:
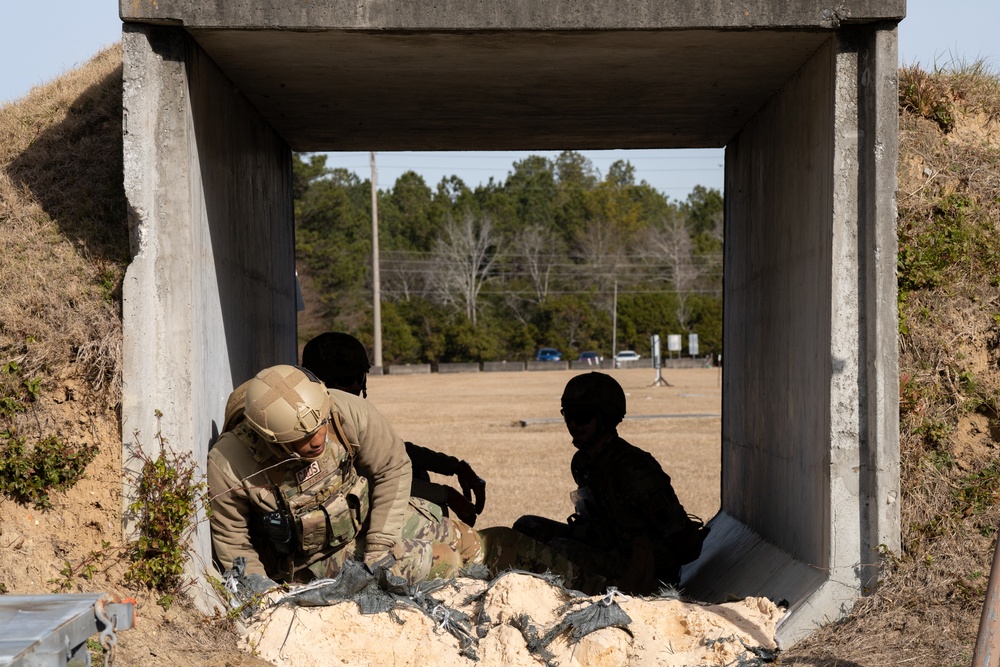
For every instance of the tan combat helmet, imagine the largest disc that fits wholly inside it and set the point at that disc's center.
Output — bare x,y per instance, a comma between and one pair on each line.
235,406
284,404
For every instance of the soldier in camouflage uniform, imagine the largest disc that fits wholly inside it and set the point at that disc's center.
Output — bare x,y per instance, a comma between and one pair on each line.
341,362
304,478
629,527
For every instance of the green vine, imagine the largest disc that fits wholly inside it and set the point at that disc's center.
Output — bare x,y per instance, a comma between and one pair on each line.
169,494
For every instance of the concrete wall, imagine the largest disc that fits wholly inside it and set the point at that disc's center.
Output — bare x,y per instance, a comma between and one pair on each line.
458,367
546,365
779,195
209,297
408,369
809,404
503,366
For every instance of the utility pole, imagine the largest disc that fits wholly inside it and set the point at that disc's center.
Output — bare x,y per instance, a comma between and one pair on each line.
614,326
376,278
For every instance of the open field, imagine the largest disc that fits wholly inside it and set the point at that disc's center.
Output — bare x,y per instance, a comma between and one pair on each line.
476,416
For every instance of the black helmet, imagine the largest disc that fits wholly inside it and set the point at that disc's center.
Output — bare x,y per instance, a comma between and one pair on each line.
335,356
596,393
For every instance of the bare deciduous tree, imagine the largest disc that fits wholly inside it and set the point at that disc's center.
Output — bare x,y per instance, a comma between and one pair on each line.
465,254
601,249
670,243
404,274
536,246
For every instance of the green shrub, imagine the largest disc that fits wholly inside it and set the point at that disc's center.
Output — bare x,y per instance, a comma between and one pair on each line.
27,475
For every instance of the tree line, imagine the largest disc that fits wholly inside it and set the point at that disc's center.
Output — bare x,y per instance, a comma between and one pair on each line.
544,258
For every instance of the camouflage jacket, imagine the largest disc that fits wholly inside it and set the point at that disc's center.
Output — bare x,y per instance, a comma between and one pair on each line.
327,500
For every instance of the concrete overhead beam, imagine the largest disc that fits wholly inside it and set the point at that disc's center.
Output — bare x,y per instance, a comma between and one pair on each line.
515,75
511,14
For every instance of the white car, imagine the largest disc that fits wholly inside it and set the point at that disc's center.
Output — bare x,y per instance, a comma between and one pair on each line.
626,355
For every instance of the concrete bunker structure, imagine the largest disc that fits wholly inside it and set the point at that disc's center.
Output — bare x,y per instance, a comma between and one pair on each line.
801,93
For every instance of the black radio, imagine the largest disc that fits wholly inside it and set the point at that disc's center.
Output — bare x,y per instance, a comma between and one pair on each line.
279,531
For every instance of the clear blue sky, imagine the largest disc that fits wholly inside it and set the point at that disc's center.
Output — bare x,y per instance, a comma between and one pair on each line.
40,40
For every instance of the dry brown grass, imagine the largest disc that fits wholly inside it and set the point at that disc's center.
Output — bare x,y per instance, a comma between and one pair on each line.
476,416
63,250
63,229
961,88
926,611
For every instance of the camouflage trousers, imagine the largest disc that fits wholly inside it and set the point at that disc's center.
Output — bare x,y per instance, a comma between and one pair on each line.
433,546
562,538
507,549
436,546
628,566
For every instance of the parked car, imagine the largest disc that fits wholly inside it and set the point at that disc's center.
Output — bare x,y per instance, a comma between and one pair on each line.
626,356
548,354
591,357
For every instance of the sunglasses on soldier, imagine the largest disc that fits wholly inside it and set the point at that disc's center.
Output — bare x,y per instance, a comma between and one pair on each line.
577,415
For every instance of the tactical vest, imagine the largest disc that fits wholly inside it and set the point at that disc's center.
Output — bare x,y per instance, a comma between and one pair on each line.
324,501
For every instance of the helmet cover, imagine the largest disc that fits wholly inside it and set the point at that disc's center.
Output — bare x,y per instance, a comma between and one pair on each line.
284,404
235,407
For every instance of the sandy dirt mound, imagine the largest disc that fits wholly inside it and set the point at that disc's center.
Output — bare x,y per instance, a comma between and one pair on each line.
516,611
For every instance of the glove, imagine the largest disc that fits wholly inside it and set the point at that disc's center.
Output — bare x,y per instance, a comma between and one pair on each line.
258,583
472,484
461,507
379,559
247,590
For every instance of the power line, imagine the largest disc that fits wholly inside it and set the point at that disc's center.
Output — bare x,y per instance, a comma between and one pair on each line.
551,292
591,156
451,168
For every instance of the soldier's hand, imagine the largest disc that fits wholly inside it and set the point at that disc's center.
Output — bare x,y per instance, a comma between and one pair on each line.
379,558
258,583
472,485
461,508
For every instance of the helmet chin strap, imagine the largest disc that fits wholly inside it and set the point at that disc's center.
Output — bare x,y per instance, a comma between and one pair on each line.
295,455
284,448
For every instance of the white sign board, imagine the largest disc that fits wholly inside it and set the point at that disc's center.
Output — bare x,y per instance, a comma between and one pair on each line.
674,342
693,345
654,343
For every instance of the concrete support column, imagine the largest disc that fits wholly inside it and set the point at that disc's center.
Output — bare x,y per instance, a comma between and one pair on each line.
209,297
879,148
809,388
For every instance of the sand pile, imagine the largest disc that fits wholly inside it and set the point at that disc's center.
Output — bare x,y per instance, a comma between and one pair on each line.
510,617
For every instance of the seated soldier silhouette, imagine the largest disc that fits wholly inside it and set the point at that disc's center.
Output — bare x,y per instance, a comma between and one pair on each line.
629,527
341,362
